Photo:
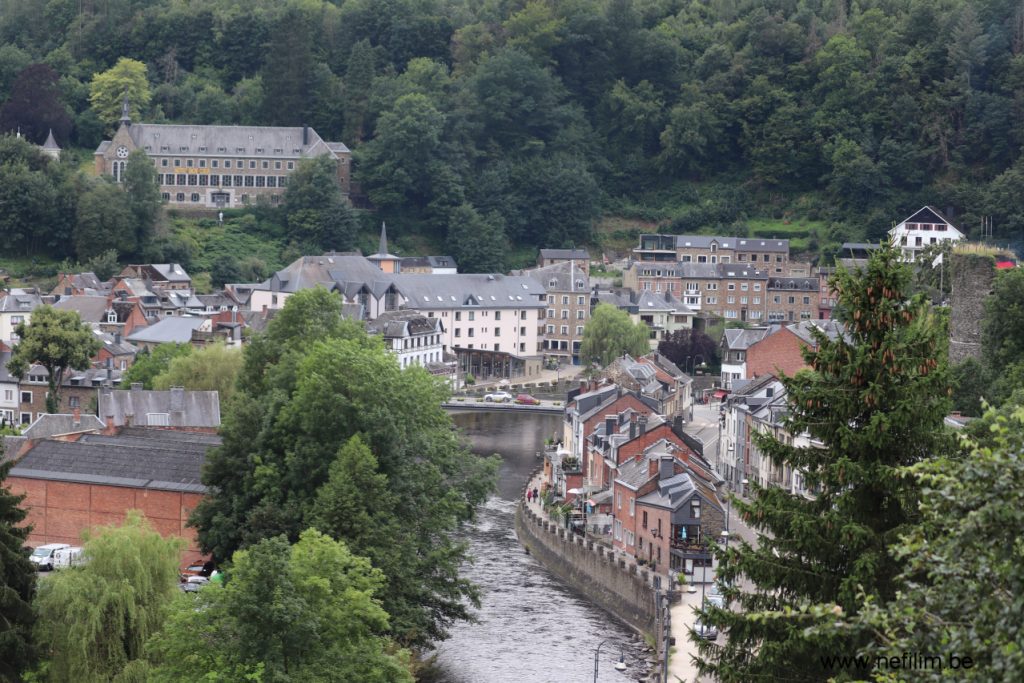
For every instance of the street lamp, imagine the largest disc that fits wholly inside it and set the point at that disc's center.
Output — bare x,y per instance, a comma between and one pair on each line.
744,482
619,665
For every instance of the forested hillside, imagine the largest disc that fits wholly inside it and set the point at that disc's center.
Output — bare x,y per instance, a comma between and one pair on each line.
474,119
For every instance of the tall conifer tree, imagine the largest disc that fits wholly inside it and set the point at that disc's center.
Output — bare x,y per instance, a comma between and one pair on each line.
17,586
875,399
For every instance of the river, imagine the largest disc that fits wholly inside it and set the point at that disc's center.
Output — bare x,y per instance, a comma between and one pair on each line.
530,627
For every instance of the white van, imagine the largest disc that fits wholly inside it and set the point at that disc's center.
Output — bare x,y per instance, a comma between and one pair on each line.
68,557
42,556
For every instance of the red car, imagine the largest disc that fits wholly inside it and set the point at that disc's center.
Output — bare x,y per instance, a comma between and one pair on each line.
527,400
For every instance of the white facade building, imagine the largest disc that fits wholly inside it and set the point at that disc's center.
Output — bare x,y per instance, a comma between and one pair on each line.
412,337
925,227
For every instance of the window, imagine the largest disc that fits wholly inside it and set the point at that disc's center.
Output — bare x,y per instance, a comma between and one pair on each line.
742,257
757,300
26,418
730,299
180,197
195,196
695,508
564,329
551,329
551,313
291,165
202,163
580,315
497,333
203,179
579,330
458,332
757,286
261,181
458,315
632,506
580,301
177,162
792,299
252,164
712,300
26,397
620,503
215,180
743,286
807,300
497,315
182,179
472,315
565,314
702,259
271,181
193,179
471,331
74,402
227,163
644,521
249,181
266,164
732,286
743,300
166,196
158,419
214,163
160,179
277,165
226,181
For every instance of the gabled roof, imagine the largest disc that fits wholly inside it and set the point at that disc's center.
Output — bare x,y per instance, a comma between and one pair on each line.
91,309
927,214
171,329
661,301
251,141
51,143
804,284
833,329
705,242
429,291
428,262
20,301
401,324
740,339
172,272
560,277
136,458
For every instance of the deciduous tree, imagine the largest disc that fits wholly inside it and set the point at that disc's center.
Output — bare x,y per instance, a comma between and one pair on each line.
109,88
315,209
94,620
59,341
610,333
310,384
306,612
211,368
140,184
104,220
34,107
149,364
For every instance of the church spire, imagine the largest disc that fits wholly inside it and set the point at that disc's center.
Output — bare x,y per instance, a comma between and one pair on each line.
126,117
383,249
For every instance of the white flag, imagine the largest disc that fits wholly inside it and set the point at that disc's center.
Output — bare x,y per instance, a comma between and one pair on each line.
937,261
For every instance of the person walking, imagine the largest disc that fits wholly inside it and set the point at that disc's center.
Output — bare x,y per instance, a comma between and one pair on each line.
535,494
529,496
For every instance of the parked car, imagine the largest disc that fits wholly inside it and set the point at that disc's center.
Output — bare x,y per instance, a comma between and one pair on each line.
527,400
42,556
68,557
193,584
498,397
706,631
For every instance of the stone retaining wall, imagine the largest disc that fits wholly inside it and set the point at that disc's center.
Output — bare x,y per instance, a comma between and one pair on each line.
625,590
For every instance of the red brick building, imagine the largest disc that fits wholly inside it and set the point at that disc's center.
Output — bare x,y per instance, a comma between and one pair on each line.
781,351
83,480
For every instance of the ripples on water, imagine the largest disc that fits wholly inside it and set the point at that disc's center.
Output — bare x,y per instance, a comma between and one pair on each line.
530,626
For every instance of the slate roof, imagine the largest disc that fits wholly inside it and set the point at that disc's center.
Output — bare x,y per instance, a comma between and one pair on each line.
172,272
272,142
803,284
559,277
5,374
47,425
428,262
833,329
740,271
738,340
183,408
565,254
401,324
470,291
136,457
92,309
171,329
51,143
115,348
658,301
309,271
20,301
741,243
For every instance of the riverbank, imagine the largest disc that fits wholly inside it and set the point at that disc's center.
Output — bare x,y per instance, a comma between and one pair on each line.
632,594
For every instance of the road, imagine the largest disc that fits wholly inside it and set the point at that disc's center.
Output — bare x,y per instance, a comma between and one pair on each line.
478,403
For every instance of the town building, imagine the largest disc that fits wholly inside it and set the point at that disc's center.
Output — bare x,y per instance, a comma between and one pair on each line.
770,255
50,148
550,257
793,299
412,337
780,351
724,290
567,292
73,483
735,343
924,227
435,265
217,167
15,308
78,390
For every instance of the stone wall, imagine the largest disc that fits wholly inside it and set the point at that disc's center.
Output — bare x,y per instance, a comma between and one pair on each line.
972,283
622,588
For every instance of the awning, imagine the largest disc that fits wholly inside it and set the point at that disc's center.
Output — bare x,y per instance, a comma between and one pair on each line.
720,393
575,492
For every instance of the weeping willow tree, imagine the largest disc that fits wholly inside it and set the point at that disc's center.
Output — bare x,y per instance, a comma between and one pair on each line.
94,620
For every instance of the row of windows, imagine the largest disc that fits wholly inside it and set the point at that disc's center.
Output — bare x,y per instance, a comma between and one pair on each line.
216,180
195,198
564,330
580,314
497,331
417,342
215,163
472,315
580,301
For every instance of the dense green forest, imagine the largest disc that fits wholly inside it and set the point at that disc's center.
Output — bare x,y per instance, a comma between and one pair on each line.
478,120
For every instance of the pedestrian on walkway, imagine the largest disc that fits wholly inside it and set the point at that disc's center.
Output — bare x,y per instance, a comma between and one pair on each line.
535,494
529,496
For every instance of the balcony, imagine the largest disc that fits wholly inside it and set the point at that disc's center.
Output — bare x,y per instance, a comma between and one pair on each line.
689,545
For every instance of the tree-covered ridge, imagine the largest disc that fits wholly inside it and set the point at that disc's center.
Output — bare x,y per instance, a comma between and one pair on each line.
532,113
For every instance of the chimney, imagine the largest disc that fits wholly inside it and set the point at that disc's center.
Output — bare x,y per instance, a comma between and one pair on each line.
110,428
117,337
677,425
666,467
609,424
305,135
136,386
583,386
642,424
76,417
632,426
177,399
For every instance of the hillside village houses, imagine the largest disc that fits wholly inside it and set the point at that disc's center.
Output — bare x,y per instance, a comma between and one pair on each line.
924,227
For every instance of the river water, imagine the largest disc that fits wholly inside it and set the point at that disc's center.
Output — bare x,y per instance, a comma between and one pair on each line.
530,627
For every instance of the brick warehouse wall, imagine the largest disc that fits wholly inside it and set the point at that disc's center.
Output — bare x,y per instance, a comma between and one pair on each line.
776,352
60,511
